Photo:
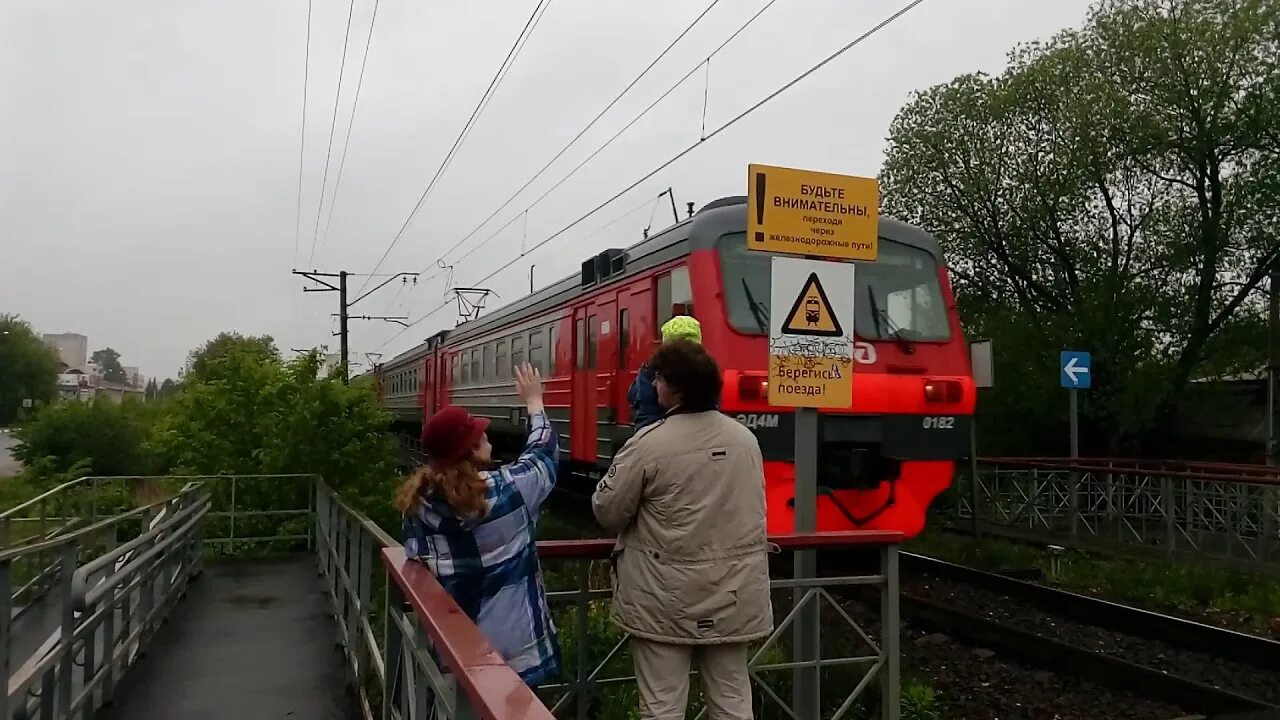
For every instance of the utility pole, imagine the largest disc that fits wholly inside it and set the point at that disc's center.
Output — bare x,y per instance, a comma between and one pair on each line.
1273,369
344,306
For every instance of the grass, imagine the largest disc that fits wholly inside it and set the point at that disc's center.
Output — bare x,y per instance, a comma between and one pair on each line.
1234,598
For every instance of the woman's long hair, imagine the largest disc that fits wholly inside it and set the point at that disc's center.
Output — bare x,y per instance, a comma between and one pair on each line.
460,484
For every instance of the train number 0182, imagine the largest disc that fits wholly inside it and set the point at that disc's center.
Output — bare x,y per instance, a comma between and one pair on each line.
939,422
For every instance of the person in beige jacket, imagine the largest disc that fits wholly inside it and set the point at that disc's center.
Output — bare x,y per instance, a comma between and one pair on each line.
691,576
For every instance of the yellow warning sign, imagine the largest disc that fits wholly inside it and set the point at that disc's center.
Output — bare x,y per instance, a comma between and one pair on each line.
811,333
803,212
811,313
809,382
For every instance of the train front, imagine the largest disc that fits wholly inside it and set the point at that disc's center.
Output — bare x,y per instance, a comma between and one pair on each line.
882,461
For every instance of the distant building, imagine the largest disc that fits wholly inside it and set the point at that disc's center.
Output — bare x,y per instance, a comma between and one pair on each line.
136,378
72,349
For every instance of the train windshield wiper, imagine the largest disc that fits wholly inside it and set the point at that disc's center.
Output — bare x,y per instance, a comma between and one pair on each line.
758,310
895,332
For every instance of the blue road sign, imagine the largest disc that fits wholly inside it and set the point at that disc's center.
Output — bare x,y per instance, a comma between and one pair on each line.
1074,369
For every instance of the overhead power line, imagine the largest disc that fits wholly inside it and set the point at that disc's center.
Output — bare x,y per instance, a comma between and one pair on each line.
625,128
302,143
588,126
498,76
725,126
337,183
324,183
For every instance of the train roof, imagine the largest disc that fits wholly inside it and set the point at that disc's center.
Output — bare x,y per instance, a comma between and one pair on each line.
701,231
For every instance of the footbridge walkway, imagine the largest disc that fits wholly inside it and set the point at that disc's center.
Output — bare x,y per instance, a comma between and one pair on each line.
270,597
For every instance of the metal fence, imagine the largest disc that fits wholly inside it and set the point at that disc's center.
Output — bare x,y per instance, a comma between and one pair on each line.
414,655
63,654
1222,515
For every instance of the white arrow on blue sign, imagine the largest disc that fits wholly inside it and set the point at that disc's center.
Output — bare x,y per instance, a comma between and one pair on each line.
1074,367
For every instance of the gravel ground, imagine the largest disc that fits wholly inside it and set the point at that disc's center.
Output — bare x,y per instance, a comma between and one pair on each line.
975,683
1209,669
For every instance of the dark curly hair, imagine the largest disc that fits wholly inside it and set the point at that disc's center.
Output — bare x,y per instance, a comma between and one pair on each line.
687,368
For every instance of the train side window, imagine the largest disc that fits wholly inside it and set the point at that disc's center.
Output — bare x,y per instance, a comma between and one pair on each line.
517,350
674,297
475,365
580,340
504,364
487,373
624,336
553,333
453,369
537,354
593,342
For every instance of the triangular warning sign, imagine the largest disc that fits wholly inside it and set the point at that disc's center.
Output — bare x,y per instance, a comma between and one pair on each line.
812,314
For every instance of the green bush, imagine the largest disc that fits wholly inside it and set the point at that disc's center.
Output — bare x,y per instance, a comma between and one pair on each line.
109,437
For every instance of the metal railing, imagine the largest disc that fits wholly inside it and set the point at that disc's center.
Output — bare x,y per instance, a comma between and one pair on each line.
599,676
413,654
98,615
1222,515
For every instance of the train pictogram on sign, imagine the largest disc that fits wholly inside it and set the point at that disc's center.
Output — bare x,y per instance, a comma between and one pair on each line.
811,314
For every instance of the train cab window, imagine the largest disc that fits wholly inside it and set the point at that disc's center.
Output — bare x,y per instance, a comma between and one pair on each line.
517,350
503,368
674,296
624,336
898,295
537,352
580,340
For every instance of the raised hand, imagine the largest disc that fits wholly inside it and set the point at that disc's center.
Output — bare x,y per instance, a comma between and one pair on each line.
529,386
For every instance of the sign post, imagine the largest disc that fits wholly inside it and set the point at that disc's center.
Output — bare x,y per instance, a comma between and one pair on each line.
823,217
982,367
1075,373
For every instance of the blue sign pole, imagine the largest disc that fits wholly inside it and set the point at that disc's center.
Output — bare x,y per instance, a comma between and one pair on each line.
1075,373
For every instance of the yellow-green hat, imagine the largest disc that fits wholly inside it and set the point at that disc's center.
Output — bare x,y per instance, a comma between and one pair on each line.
682,327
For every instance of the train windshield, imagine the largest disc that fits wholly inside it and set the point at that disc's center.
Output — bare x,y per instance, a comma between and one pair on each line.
896,298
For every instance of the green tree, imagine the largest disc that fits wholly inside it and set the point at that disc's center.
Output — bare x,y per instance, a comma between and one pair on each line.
1116,189
109,438
200,359
108,362
248,412
152,391
28,368
168,388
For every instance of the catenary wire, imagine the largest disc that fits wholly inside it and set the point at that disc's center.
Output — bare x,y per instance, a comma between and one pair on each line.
725,126
639,116
324,183
302,143
342,164
475,113
584,130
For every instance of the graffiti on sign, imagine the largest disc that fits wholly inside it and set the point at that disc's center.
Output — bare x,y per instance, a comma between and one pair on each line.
810,353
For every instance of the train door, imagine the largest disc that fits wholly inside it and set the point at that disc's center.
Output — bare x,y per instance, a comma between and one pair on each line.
602,334
582,433
430,386
635,313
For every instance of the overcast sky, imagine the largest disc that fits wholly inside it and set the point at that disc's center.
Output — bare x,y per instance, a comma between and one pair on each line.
149,150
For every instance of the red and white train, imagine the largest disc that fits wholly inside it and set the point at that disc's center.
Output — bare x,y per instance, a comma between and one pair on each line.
881,462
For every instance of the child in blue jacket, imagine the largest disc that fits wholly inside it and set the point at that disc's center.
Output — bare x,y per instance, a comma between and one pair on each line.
642,396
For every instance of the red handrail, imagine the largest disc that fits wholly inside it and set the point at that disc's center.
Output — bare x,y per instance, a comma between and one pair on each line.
495,690
597,548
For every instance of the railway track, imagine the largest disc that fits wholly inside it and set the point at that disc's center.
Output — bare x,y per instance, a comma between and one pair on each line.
1217,672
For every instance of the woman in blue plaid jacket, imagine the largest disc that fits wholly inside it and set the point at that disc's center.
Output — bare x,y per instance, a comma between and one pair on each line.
474,526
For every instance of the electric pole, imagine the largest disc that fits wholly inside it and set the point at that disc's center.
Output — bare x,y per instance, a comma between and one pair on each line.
1273,367
344,306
